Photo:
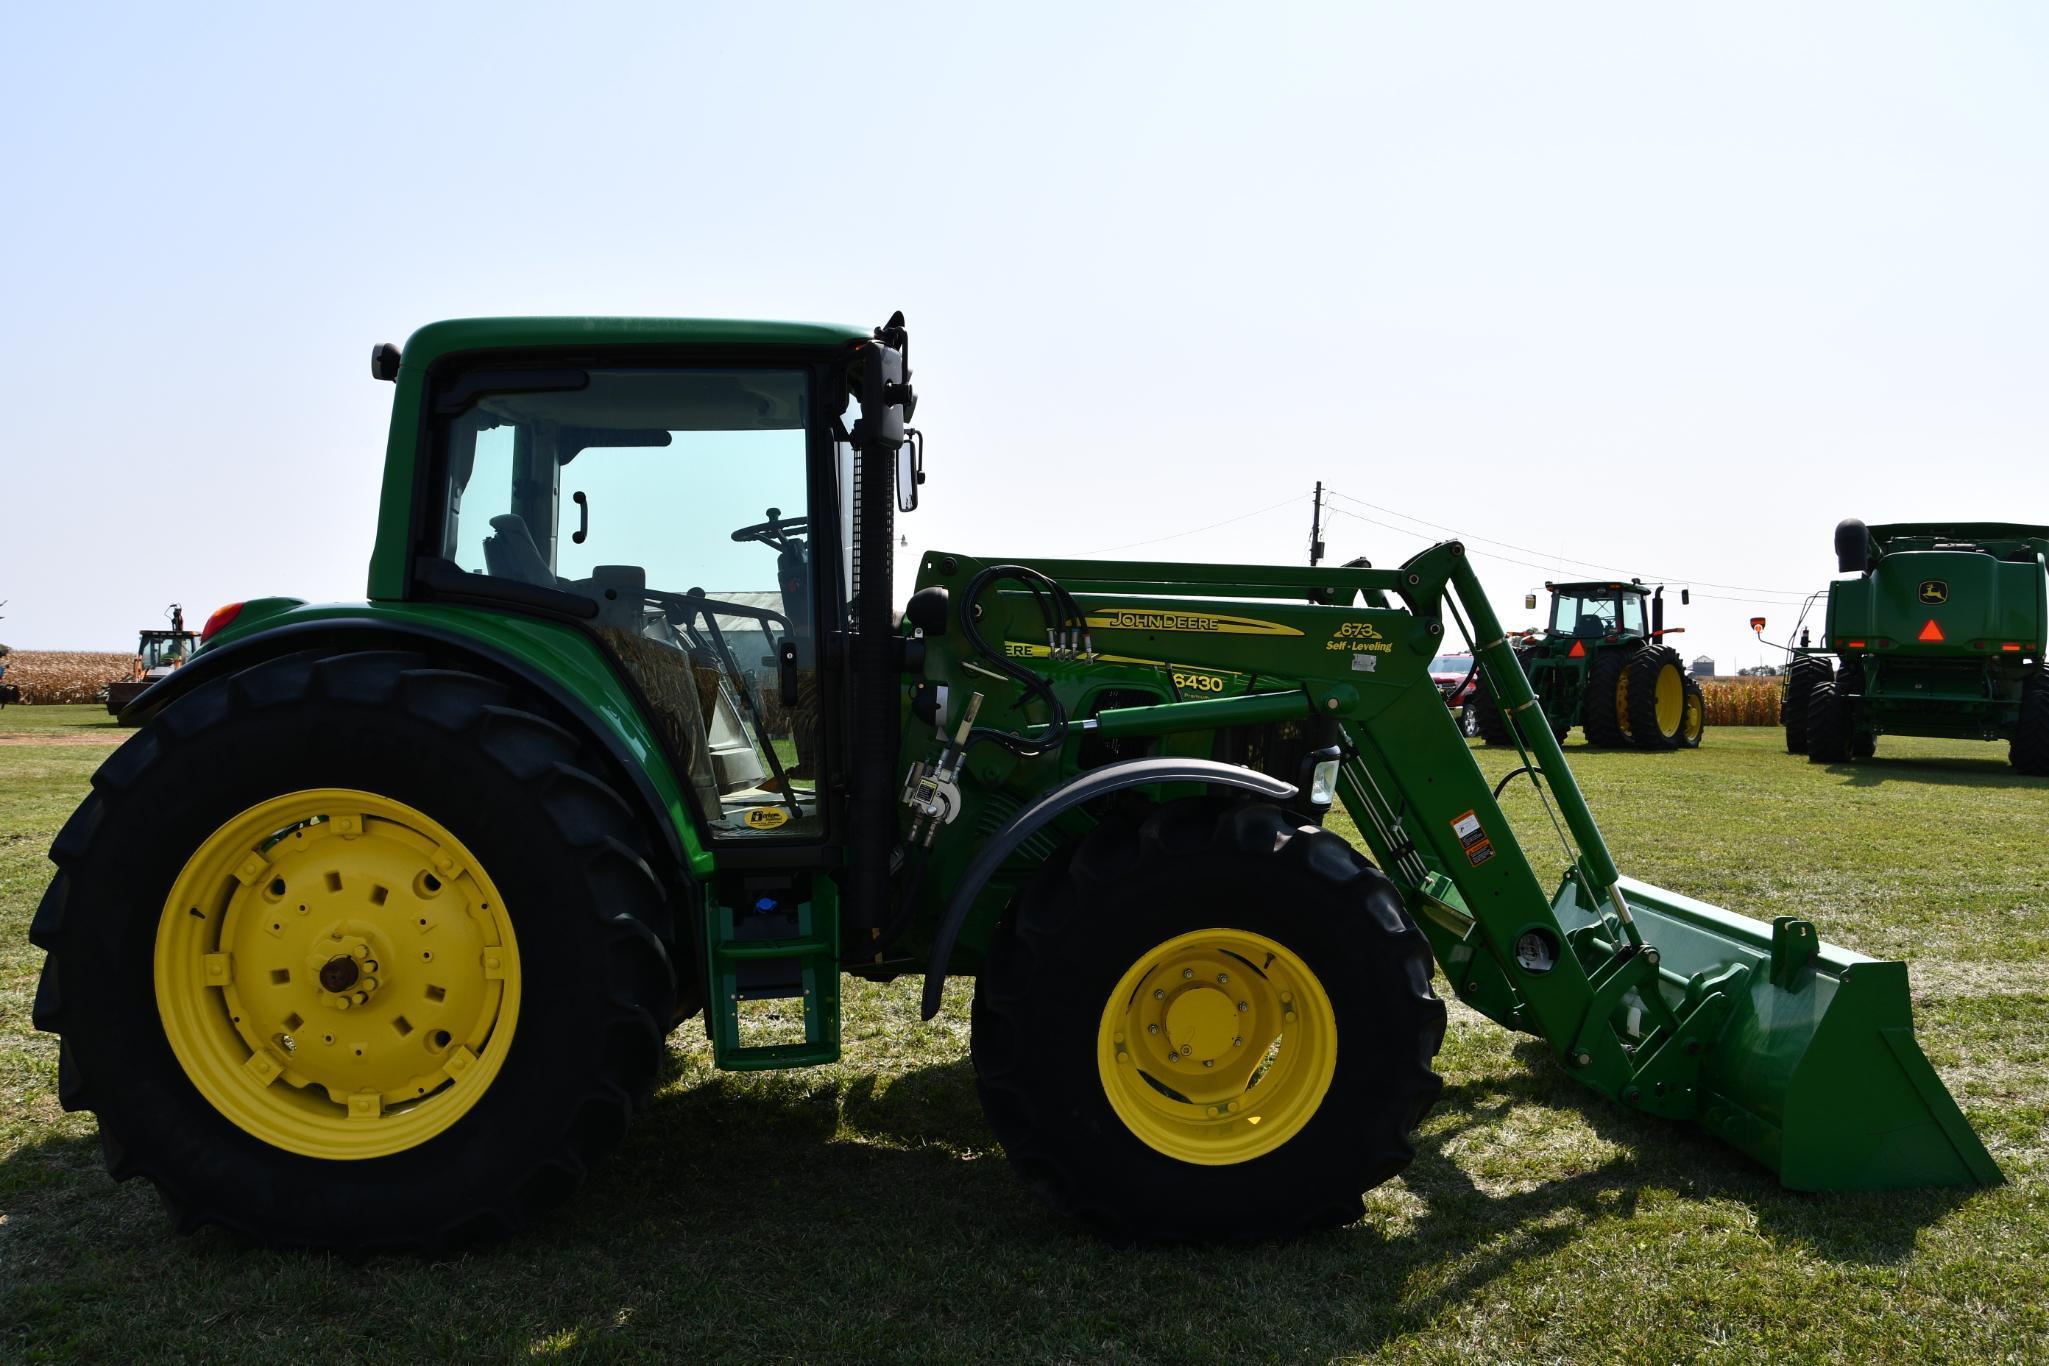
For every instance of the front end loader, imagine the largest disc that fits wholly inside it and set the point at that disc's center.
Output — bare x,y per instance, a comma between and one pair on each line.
372,934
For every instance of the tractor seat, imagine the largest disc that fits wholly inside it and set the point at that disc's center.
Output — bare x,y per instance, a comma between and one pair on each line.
1589,624
510,552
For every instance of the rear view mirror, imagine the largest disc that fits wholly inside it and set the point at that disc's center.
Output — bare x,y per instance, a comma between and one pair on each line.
1529,602
910,469
1686,597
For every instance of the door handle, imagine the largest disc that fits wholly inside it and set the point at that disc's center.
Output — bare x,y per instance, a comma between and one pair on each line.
786,658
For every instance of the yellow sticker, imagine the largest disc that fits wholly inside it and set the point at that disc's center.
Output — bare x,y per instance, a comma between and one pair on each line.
766,817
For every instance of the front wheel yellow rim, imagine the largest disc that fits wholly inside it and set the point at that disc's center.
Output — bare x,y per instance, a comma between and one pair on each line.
336,974
1217,1046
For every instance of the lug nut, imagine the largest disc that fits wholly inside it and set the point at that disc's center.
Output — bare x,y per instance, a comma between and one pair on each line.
1244,1006
1187,973
1223,977
1152,1029
1237,1041
1159,994
1209,1062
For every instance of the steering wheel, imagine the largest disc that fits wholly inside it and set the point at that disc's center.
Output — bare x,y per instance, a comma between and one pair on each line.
776,531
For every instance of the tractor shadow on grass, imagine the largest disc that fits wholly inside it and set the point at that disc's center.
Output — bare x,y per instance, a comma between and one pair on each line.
910,1164
876,1211
1944,771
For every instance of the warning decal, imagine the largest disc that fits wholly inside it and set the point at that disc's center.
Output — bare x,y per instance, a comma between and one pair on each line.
1472,838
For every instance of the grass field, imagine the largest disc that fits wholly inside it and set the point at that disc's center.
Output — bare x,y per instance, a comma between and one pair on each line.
864,1211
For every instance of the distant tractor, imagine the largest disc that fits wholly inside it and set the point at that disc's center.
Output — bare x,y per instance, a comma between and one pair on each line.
1940,633
157,653
1598,666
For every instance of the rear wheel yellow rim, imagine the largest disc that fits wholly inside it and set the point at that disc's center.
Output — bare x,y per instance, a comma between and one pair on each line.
336,974
1696,719
1217,1046
1671,699
1622,700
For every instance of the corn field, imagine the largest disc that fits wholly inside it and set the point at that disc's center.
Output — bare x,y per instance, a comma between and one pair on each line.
1748,702
46,677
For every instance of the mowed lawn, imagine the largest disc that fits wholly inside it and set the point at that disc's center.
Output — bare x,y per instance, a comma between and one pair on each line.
864,1211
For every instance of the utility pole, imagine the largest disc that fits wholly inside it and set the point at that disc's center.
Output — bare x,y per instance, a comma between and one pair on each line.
1316,526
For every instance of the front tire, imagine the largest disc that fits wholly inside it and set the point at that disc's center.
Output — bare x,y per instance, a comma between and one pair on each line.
1694,725
415,831
1207,932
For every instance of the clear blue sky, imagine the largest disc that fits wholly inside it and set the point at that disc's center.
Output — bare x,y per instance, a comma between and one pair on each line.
1669,288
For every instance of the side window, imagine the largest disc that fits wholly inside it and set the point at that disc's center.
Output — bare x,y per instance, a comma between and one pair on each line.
487,494
1632,613
1565,616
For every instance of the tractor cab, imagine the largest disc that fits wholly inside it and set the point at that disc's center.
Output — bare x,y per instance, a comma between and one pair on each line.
1597,611
162,651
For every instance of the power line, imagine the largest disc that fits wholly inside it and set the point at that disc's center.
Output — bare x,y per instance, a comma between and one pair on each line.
1568,559
1197,531
1510,559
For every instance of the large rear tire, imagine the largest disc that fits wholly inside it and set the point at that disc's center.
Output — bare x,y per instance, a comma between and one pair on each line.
1850,697
1801,676
354,953
1602,712
1828,724
1654,684
1207,1021
2029,749
1488,722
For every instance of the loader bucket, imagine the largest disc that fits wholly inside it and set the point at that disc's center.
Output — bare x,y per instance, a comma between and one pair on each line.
1815,1072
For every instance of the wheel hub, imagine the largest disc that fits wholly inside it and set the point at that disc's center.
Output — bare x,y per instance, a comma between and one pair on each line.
1217,1046
336,974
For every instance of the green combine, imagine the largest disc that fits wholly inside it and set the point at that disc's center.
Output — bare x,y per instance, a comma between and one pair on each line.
1601,664
372,934
1940,633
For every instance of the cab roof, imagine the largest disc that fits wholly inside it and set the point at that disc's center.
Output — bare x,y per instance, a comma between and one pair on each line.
439,339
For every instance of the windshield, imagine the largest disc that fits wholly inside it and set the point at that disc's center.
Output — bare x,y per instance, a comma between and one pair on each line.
677,501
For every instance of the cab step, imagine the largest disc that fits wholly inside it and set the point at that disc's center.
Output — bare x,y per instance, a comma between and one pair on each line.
780,943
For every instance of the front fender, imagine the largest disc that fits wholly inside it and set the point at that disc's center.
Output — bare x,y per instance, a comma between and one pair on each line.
1052,804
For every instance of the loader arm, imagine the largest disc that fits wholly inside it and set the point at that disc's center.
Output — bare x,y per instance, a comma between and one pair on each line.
1661,1003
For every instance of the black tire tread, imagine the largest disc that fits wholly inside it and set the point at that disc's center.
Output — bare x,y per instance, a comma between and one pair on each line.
1644,667
1033,946
1597,705
1801,676
1828,732
596,826
2028,751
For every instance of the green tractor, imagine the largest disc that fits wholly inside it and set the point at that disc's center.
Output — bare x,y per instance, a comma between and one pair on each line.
1940,633
372,934
1602,664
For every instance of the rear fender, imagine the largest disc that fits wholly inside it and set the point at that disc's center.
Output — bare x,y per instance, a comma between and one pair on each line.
330,635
